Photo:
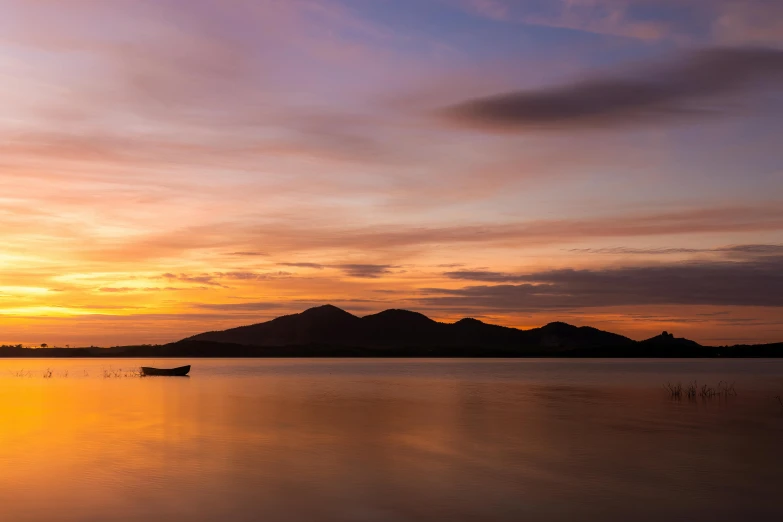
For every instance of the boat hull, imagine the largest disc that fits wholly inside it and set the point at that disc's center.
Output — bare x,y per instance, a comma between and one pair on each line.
182,371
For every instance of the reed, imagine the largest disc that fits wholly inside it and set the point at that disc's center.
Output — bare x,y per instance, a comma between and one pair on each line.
675,390
49,373
693,390
726,389
111,373
707,392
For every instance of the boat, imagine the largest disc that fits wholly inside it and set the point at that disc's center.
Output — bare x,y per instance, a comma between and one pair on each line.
182,371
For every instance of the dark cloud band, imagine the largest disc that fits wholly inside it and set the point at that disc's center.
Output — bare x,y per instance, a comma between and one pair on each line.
757,282
681,88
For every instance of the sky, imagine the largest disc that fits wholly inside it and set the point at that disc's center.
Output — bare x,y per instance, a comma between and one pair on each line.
170,167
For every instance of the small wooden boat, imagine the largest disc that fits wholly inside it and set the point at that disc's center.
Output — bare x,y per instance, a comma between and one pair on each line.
182,371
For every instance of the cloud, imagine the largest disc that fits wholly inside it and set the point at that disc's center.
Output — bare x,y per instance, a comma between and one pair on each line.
756,250
744,22
248,254
364,270
205,90
684,88
316,266
285,237
252,276
748,283
633,251
292,306
215,278
494,9
749,21
544,232
604,17
486,276
239,307
130,289
204,279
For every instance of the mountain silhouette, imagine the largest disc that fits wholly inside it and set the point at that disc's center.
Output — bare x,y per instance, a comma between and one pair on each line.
331,326
328,331
322,324
668,340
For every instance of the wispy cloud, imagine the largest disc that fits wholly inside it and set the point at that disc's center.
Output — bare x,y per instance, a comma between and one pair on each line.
368,271
285,237
358,270
252,276
200,88
733,249
216,278
203,279
240,307
727,21
749,283
131,289
684,88
248,254
605,17
758,22
316,266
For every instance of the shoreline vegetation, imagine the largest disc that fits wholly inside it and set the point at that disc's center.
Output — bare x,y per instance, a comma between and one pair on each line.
328,331
106,373
693,390
226,350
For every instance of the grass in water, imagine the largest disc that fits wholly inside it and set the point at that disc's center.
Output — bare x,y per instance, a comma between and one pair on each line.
108,373
111,373
692,390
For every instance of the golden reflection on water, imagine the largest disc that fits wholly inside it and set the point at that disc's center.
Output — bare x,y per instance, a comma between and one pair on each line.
339,440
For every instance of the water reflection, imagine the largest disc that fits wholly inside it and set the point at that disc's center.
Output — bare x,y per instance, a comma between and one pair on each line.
389,440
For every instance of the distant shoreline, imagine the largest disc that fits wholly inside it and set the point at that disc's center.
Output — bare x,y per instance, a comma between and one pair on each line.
199,349
328,331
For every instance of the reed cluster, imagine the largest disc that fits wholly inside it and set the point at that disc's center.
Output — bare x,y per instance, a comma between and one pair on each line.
108,373
111,373
693,390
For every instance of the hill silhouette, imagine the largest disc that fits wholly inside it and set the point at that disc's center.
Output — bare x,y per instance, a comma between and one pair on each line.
328,331
668,339
332,326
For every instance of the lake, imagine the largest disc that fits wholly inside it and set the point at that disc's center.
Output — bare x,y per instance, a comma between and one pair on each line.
389,440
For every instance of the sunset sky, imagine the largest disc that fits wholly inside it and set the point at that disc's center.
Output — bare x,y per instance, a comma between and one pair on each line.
169,167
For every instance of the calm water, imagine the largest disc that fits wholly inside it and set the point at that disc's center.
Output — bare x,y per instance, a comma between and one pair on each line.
389,440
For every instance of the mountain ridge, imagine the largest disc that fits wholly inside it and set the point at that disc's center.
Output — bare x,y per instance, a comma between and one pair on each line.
330,325
328,331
